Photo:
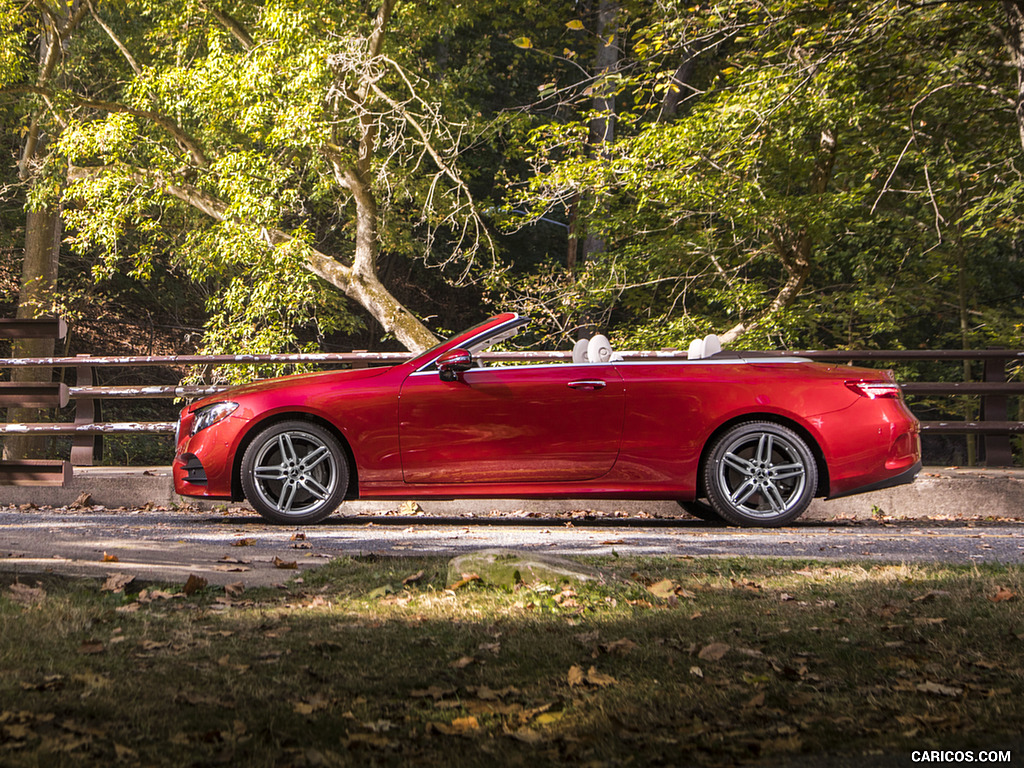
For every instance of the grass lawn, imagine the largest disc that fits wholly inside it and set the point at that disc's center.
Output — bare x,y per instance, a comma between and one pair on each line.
374,661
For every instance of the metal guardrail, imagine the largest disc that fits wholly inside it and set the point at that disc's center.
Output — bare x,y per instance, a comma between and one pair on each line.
994,426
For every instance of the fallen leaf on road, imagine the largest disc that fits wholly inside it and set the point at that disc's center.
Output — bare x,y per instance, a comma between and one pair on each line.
110,558
244,543
287,565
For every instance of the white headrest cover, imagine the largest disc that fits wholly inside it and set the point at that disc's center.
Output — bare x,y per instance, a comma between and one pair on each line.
579,351
599,350
696,350
712,345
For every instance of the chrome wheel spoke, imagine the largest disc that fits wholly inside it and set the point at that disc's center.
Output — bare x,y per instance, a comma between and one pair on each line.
744,492
774,496
738,463
287,497
314,488
270,472
284,442
787,471
314,458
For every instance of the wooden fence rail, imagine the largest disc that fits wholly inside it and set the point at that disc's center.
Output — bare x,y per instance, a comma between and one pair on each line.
994,425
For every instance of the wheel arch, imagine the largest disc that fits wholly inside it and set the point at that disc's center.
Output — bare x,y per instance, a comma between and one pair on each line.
824,482
236,469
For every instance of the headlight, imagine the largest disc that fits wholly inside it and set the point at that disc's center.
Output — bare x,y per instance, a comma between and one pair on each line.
209,415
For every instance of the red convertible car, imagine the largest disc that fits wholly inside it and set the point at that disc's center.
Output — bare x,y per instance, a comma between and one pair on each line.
745,438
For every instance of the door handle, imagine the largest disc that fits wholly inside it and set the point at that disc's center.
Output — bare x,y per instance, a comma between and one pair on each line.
587,384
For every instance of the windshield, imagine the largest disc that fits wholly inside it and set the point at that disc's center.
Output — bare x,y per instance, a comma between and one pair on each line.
477,338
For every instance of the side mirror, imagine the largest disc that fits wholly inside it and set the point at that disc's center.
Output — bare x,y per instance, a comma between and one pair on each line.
453,362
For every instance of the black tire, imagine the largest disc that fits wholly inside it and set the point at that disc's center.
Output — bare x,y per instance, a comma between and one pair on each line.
760,474
295,473
701,510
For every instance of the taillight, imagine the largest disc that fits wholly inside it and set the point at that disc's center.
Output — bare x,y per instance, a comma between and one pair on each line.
874,390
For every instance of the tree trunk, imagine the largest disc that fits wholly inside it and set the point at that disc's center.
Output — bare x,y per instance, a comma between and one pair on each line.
39,276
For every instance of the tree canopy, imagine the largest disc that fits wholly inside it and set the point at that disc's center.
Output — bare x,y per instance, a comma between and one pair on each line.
791,172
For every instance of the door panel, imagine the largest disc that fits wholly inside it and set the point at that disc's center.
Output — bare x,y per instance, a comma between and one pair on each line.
523,424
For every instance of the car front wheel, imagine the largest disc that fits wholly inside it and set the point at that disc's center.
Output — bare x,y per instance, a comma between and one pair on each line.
760,474
294,472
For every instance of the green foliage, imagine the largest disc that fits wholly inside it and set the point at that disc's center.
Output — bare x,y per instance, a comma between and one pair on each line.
866,155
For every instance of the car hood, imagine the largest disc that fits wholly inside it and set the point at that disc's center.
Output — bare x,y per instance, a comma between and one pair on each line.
327,379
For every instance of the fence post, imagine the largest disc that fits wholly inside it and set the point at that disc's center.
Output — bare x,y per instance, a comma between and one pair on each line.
83,452
995,407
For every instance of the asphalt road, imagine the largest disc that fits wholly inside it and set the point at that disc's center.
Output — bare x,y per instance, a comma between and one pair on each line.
166,545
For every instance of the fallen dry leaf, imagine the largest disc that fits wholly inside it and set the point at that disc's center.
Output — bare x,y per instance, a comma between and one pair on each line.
466,579
713,652
193,584
286,565
91,647
244,543
413,578
664,589
620,647
312,704
578,677
434,692
110,558
755,702
938,689
410,508
1003,595
599,678
117,582
933,594
528,736
23,594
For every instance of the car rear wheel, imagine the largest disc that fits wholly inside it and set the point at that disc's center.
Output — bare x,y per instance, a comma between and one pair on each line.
294,472
760,474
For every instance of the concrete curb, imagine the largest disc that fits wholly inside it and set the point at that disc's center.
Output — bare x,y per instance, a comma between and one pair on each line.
951,492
